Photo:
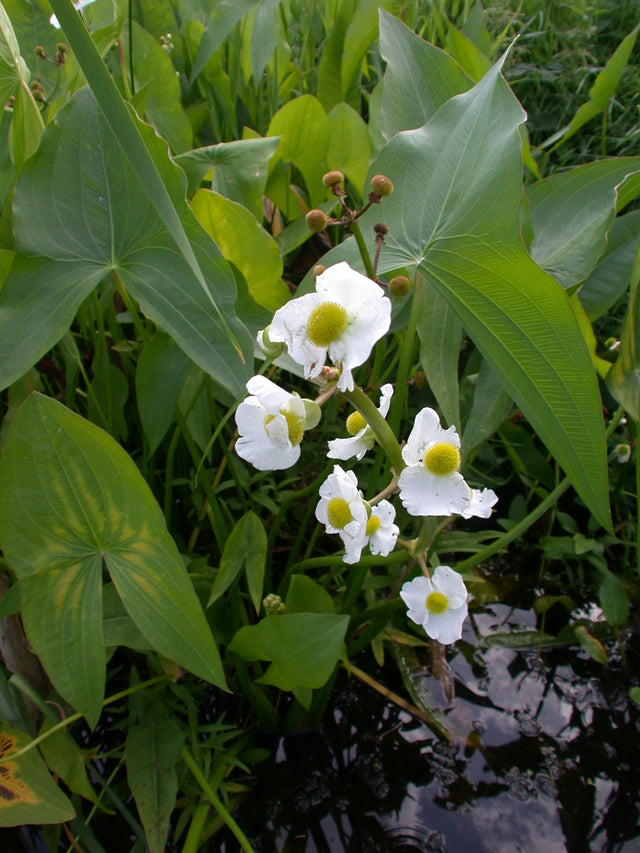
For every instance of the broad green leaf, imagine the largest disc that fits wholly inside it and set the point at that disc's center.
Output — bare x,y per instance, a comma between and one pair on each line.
623,380
29,794
601,365
306,596
240,170
154,70
601,92
110,391
160,374
132,145
246,244
491,406
13,68
223,19
264,35
453,213
65,759
468,56
572,212
153,748
440,334
303,128
71,498
361,32
303,647
609,281
118,627
349,144
26,126
419,78
246,545
95,219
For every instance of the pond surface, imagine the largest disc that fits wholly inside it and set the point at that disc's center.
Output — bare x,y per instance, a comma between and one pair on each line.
546,759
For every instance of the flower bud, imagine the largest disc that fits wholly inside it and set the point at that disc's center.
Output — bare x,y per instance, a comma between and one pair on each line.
381,229
622,452
273,605
61,47
399,286
272,349
317,270
39,51
332,178
381,185
316,220
420,378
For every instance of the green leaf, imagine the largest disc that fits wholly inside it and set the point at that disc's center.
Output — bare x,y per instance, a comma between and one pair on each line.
65,759
245,243
303,128
609,281
613,599
470,58
223,19
590,644
419,78
71,498
95,219
118,627
133,147
330,90
490,408
13,68
361,32
600,93
453,213
306,596
29,794
623,379
152,750
247,544
26,126
440,332
240,170
303,647
572,212
349,144
161,371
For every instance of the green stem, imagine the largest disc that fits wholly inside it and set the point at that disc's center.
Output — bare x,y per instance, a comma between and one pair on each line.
381,429
364,252
406,358
216,802
15,679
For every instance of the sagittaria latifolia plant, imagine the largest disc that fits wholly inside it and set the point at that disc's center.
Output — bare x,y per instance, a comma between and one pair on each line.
153,568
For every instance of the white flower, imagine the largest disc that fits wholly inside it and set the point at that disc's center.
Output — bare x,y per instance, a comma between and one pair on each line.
342,510
343,319
438,604
431,483
381,530
361,435
79,4
271,424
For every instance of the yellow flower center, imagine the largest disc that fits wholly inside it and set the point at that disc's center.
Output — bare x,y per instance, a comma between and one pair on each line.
295,426
372,525
355,422
326,323
436,602
338,513
442,459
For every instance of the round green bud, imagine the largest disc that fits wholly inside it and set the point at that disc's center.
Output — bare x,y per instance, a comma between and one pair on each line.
61,47
330,179
420,378
399,285
273,605
381,185
316,220
272,349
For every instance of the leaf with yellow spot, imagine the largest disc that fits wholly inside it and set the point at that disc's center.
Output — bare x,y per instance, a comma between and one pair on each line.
28,794
71,499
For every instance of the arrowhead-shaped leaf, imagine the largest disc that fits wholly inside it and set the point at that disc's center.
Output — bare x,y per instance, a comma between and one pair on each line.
71,498
80,213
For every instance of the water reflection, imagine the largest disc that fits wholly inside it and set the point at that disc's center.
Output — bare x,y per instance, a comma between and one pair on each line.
547,761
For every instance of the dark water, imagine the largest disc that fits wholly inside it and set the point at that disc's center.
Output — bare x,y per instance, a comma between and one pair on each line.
546,760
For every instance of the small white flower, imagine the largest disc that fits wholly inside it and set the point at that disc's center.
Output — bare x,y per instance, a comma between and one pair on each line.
361,435
431,483
622,453
343,319
439,604
381,530
271,424
79,4
342,510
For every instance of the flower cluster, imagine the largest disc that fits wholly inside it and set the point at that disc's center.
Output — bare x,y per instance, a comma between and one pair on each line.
340,322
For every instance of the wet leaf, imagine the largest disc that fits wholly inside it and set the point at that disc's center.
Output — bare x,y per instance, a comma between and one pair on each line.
590,644
613,600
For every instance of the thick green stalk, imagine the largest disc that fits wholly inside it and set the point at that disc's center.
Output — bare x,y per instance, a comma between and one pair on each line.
364,252
406,358
381,429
